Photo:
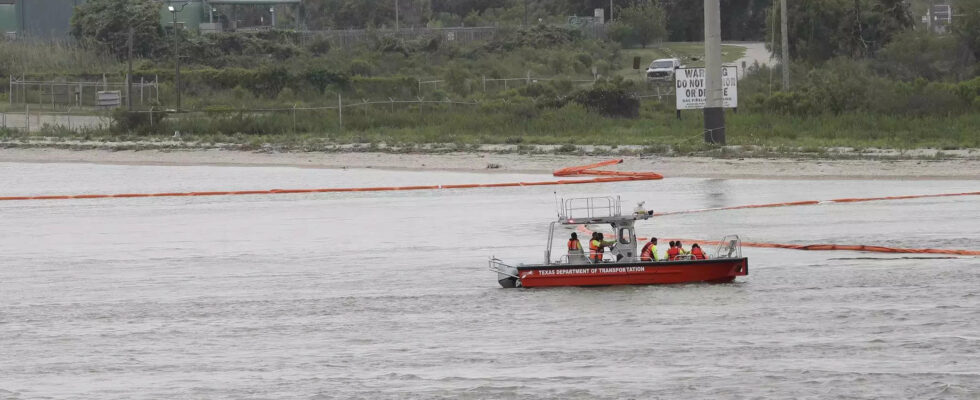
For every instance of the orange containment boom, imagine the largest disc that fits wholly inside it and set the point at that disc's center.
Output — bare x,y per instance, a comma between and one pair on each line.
815,202
843,247
815,247
584,170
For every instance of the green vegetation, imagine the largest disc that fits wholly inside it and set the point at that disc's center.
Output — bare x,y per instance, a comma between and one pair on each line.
105,25
641,24
873,82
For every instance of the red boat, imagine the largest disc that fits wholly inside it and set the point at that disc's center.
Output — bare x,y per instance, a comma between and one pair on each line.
620,264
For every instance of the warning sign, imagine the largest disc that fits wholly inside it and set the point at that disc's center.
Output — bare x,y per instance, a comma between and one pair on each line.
690,88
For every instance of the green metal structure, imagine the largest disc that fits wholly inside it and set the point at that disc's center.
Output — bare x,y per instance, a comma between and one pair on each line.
189,18
8,18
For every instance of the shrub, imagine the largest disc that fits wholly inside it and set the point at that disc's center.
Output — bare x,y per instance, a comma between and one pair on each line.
361,67
319,46
609,101
136,122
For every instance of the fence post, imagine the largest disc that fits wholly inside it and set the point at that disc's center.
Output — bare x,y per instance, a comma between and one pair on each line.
420,106
484,83
340,110
11,92
529,77
420,87
294,118
151,116
392,104
142,84
27,117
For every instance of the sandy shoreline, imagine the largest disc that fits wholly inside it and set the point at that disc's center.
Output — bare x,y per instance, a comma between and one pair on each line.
700,167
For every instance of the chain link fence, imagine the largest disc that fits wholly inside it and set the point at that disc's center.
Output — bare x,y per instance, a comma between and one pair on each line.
330,116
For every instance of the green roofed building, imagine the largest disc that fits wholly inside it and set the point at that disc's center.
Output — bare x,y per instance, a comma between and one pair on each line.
223,15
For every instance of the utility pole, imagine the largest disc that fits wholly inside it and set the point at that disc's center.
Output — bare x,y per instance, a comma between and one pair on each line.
129,74
397,24
714,114
784,28
610,10
174,11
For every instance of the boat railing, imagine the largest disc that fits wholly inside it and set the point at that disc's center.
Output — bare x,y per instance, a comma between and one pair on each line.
730,247
498,266
591,207
684,257
578,259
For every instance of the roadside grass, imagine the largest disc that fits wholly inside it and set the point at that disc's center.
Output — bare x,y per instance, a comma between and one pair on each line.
657,131
41,57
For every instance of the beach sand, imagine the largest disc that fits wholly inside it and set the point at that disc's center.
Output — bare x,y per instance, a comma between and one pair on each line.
701,167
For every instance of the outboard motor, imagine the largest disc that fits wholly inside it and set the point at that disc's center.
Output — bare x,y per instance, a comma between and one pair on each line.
506,274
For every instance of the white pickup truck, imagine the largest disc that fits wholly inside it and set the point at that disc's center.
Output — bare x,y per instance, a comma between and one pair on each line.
663,69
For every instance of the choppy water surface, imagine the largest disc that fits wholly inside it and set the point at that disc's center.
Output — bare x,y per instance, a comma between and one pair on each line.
386,295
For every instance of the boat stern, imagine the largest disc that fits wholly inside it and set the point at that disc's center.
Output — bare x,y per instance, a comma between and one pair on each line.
506,274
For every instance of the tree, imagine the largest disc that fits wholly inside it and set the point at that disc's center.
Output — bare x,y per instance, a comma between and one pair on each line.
645,21
966,25
106,24
822,29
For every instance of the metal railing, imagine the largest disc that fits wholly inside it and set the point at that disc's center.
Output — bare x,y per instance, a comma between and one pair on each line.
67,93
499,267
730,247
591,207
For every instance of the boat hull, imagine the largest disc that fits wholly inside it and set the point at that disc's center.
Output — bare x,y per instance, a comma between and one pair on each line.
639,273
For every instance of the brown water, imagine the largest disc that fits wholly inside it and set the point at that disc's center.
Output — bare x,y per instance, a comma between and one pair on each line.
387,295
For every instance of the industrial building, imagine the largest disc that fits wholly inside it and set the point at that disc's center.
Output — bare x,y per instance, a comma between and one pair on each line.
51,19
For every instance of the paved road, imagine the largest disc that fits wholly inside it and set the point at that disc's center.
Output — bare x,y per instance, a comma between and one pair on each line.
755,52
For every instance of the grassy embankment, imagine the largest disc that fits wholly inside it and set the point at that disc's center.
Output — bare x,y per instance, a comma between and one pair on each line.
504,117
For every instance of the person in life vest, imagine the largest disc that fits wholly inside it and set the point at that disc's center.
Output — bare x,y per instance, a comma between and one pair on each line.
673,251
597,246
697,252
680,249
573,244
575,252
649,252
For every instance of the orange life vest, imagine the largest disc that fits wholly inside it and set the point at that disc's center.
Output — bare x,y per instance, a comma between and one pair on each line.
596,250
697,253
672,253
649,252
574,245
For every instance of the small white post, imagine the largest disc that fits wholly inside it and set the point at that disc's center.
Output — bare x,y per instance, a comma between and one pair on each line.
340,110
